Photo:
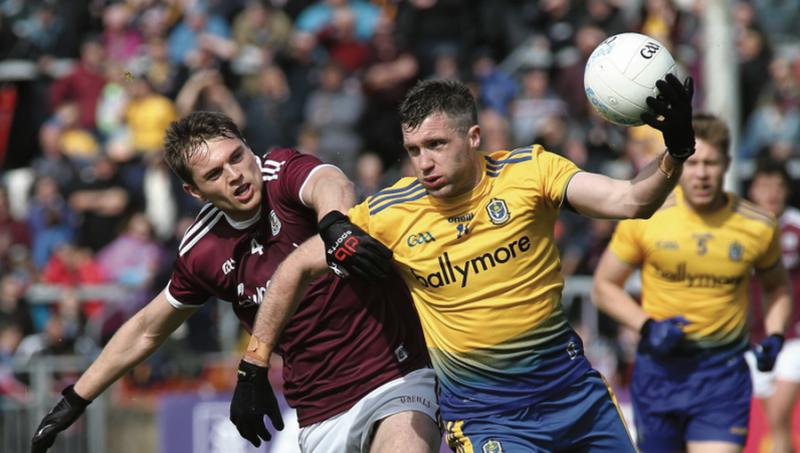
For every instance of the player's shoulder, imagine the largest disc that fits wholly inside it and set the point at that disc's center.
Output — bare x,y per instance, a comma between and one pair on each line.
749,211
200,237
403,191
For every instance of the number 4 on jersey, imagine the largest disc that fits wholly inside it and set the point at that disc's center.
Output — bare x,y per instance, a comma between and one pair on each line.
255,247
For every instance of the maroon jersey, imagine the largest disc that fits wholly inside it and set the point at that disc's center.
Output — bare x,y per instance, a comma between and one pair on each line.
347,337
790,253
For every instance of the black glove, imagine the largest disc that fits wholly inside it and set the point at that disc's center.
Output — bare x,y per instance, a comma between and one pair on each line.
58,419
349,249
767,352
659,338
674,104
252,399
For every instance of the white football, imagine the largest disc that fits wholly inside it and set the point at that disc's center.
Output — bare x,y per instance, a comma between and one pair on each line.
622,72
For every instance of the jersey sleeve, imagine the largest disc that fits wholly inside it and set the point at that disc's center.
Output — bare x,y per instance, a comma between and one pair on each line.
772,254
625,243
555,172
359,216
185,289
289,170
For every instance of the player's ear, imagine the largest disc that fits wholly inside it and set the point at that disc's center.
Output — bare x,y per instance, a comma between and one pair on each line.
474,136
193,191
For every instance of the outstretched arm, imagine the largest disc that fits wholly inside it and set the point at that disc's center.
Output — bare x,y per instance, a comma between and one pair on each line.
603,197
132,343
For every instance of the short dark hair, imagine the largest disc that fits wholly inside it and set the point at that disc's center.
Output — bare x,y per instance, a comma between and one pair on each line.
450,97
714,130
185,137
768,167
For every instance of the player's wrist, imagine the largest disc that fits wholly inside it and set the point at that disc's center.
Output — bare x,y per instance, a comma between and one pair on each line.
74,400
329,219
249,371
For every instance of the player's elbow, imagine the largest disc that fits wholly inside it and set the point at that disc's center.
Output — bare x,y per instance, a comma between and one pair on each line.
644,212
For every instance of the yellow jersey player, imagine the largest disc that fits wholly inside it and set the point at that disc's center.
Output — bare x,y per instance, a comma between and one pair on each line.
472,235
691,386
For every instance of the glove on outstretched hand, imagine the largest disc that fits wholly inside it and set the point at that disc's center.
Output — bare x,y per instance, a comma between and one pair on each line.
674,105
767,350
350,250
252,399
60,417
659,338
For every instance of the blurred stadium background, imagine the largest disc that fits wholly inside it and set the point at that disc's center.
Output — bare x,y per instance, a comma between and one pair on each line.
90,217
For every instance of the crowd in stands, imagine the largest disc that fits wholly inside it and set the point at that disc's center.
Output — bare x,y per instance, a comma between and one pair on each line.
325,77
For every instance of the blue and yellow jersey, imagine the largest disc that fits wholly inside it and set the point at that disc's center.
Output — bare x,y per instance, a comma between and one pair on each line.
699,266
484,273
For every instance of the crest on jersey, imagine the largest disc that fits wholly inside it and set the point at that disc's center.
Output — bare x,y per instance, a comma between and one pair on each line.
498,211
492,446
735,251
274,222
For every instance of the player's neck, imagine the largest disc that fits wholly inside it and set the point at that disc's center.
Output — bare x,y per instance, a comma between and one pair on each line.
718,203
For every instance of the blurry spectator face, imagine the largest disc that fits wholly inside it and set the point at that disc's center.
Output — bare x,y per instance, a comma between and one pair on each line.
702,177
139,226
345,23
536,82
331,78
256,13
225,173
49,139
588,38
769,191
46,189
273,82
10,292
115,17
196,18
92,54
369,170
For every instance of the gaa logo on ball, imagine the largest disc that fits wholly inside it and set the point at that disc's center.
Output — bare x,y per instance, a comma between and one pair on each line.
622,72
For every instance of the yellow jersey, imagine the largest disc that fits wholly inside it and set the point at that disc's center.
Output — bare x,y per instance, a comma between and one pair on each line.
484,272
699,265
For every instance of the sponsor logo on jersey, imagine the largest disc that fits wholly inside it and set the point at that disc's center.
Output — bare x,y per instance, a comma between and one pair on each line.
228,266
572,350
274,223
462,229
453,273
498,211
735,251
420,239
698,280
492,446
667,245
461,218
251,299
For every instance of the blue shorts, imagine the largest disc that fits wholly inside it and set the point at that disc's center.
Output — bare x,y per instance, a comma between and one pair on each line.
584,417
672,410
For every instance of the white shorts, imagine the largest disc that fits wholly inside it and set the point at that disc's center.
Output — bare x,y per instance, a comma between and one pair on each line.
787,368
352,431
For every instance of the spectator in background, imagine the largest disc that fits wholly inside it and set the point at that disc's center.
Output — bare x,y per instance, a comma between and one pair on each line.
50,219
206,90
12,231
341,43
82,85
270,123
496,88
334,110
102,201
121,42
754,55
369,176
389,72
72,266
132,260
200,33
158,69
14,307
113,101
44,30
300,64
568,81
63,333
495,131
778,389
148,114
777,119
533,104
79,143
320,14
260,31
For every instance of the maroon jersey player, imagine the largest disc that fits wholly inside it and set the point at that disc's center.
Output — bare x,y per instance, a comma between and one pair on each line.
355,366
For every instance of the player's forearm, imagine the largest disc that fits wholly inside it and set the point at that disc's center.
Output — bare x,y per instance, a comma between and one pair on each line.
778,310
332,192
653,184
285,291
612,299
129,346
